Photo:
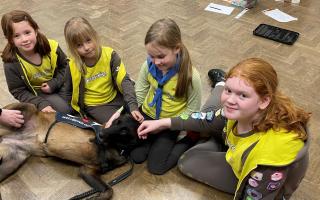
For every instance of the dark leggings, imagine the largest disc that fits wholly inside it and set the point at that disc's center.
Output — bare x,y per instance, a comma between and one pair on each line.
206,162
161,150
102,113
57,102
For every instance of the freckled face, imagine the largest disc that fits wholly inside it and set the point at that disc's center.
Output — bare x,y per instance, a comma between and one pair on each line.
240,100
164,58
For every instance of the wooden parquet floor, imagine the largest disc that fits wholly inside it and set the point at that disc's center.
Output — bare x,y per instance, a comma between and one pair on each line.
213,40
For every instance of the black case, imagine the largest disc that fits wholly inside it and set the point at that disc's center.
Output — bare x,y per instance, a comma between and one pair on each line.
277,34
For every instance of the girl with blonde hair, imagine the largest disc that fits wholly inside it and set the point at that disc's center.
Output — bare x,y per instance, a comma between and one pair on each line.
97,77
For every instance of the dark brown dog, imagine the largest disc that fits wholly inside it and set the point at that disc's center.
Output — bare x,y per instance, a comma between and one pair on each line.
64,141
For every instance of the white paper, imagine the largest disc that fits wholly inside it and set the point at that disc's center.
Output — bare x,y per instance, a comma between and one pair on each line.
278,15
212,7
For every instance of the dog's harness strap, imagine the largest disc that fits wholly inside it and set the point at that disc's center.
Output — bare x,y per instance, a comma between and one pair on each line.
47,135
75,121
78,121
85,124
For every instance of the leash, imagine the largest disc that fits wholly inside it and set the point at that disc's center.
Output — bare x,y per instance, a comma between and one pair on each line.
113,182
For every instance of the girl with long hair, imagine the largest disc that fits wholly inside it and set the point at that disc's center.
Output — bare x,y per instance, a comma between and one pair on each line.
97,80
34,66
168,86
264,132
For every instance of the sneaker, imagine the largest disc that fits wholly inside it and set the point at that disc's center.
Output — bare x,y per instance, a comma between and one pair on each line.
215,76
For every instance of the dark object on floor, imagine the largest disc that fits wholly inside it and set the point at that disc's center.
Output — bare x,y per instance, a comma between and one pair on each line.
276,33
215,76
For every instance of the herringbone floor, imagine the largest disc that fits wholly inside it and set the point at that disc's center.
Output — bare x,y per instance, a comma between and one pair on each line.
213,40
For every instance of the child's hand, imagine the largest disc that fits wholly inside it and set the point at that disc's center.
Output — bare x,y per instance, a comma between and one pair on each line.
137,116
48,109
45,88
153,126
116,115
147,127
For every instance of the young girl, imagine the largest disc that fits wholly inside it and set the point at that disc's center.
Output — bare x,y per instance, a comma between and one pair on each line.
97,77
265,133
34,66
167,86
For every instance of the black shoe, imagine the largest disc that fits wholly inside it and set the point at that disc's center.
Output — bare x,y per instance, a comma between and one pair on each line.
215,76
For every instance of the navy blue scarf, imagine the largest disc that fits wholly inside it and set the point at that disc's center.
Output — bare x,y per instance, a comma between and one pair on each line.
162,80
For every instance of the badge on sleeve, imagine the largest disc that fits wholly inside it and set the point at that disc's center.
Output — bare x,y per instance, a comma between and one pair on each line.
253,183
256,175
201,115
277,176
209,116
196,115
254,194
273,186
217,113
184,116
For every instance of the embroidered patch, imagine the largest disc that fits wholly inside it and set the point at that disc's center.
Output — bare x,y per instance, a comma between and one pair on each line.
209,116
254,194
225,129
249,198
253,182
273,186
198,115
184,116
217,113
256,175
277,176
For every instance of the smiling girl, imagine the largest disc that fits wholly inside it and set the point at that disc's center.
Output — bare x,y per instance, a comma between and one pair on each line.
168,86
264,131
34,66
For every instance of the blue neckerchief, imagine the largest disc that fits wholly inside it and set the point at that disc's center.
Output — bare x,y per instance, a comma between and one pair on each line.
157,74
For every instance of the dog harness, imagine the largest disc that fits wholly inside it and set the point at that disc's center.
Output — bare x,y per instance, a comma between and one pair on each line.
77,122
85,124
96,127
